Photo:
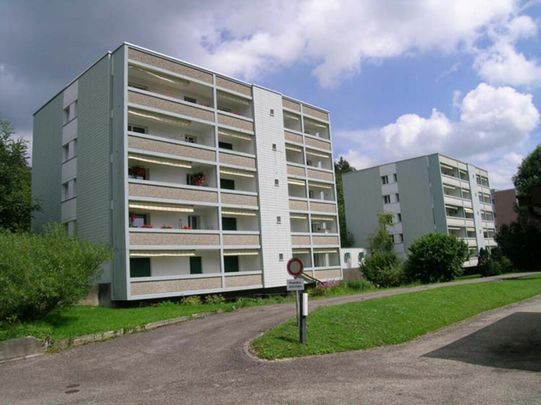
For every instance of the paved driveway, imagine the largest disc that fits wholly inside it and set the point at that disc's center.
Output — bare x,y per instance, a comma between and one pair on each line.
493,358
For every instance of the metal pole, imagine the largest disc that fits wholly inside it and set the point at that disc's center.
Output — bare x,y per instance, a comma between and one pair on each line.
303,314
297,307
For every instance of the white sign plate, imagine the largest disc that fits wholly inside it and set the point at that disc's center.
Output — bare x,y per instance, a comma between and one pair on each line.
295,284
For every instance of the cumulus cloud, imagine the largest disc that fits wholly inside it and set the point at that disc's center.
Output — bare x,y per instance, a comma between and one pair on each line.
494,123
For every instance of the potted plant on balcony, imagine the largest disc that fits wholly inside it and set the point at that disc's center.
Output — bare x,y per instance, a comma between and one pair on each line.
199,179
137,172
147,226
167,226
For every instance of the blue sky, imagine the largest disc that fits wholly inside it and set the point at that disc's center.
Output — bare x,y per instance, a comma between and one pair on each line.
400,78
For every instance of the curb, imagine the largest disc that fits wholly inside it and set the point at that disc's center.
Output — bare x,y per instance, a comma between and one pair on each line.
21,348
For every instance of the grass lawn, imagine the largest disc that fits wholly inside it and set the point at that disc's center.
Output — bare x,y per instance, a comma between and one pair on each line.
84,320
391,320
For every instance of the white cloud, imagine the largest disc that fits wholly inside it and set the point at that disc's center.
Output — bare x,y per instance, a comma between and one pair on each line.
338,35
494,123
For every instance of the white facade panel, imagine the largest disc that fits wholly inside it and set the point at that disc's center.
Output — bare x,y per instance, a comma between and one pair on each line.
69,131
69,170
70,94
274,200
68,210
472,170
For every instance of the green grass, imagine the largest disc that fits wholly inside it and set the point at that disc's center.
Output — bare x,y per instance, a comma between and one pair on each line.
390,320
84,320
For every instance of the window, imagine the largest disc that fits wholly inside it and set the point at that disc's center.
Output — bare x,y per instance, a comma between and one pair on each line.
281,257
193,222
138,220
231,264
190,139
278,220
65,152
69,190
190,99
71,228
386,199
227,184
395,177
136,128
399,217
229,224
68,150
397,197
274,147
384,179
196,265
66,115
347,257
398,238
271,112
276,182
225,145
140,267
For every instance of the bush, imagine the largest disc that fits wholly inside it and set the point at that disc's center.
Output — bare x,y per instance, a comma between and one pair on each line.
436,257
39,273
383,269
215,299
492,263
193,300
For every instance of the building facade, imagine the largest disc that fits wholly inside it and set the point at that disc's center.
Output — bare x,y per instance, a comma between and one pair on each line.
426,194
199,182
504,202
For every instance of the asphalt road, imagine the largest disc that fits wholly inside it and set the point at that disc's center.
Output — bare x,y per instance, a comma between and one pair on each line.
494,358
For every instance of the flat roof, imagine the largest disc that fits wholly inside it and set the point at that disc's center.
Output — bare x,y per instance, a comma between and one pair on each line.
176,60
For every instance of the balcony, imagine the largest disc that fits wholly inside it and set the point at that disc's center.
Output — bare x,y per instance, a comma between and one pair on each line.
169,216
173,238
325,240
169,85
240,220
304,255
138,189
291,137
482,180
300,239
235,179
235,159
326,208
293,170
317,144
294,154
316,128
184,151
233,104
320,191
320,175
292,121
451,171
169,128
241,239
456,201
299,223
456,192
235,141
324,224
318,159
298,204
245,199
232,122
142,100
324,258
296,188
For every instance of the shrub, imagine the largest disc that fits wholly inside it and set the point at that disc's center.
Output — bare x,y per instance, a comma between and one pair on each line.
215,299
39,273
193,300
383,269
436,257
492,263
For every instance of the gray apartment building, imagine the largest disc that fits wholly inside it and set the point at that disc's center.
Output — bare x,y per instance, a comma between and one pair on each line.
199,182
432,193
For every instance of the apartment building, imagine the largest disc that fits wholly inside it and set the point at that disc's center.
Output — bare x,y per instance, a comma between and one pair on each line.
432,193
201,183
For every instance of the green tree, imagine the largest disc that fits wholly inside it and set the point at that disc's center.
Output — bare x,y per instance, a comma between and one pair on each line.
382,241
436,257
16,203
529,172
340,167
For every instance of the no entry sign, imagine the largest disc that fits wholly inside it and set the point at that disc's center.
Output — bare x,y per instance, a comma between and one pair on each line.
295,267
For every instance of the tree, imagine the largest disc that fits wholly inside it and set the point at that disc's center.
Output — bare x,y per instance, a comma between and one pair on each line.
529,172
16,203
436,257
382,241
342,166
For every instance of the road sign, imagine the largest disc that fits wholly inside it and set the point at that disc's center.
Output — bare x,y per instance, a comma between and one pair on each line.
295,267
295,284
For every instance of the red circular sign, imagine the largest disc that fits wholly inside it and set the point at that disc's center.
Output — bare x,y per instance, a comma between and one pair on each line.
295,267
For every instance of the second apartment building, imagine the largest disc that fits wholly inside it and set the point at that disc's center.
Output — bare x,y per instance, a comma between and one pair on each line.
201,183
432,193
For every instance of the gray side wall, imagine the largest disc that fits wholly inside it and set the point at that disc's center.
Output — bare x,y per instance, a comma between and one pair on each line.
415,199
46,164
94,191
363,202
440,217
118,176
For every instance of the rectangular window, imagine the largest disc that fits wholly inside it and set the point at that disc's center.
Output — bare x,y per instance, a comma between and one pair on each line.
397,197
281,257
278,220
231,264
190,99
274,146
386,199
65,152
196,265
229,223
399,217
136,128
140,267
276,182
395,177
225,145
384,180
227,184
65,115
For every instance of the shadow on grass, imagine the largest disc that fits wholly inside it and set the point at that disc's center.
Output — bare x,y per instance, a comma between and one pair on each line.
513,342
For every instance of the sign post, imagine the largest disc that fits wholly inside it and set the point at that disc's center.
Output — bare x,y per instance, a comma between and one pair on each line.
295,267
